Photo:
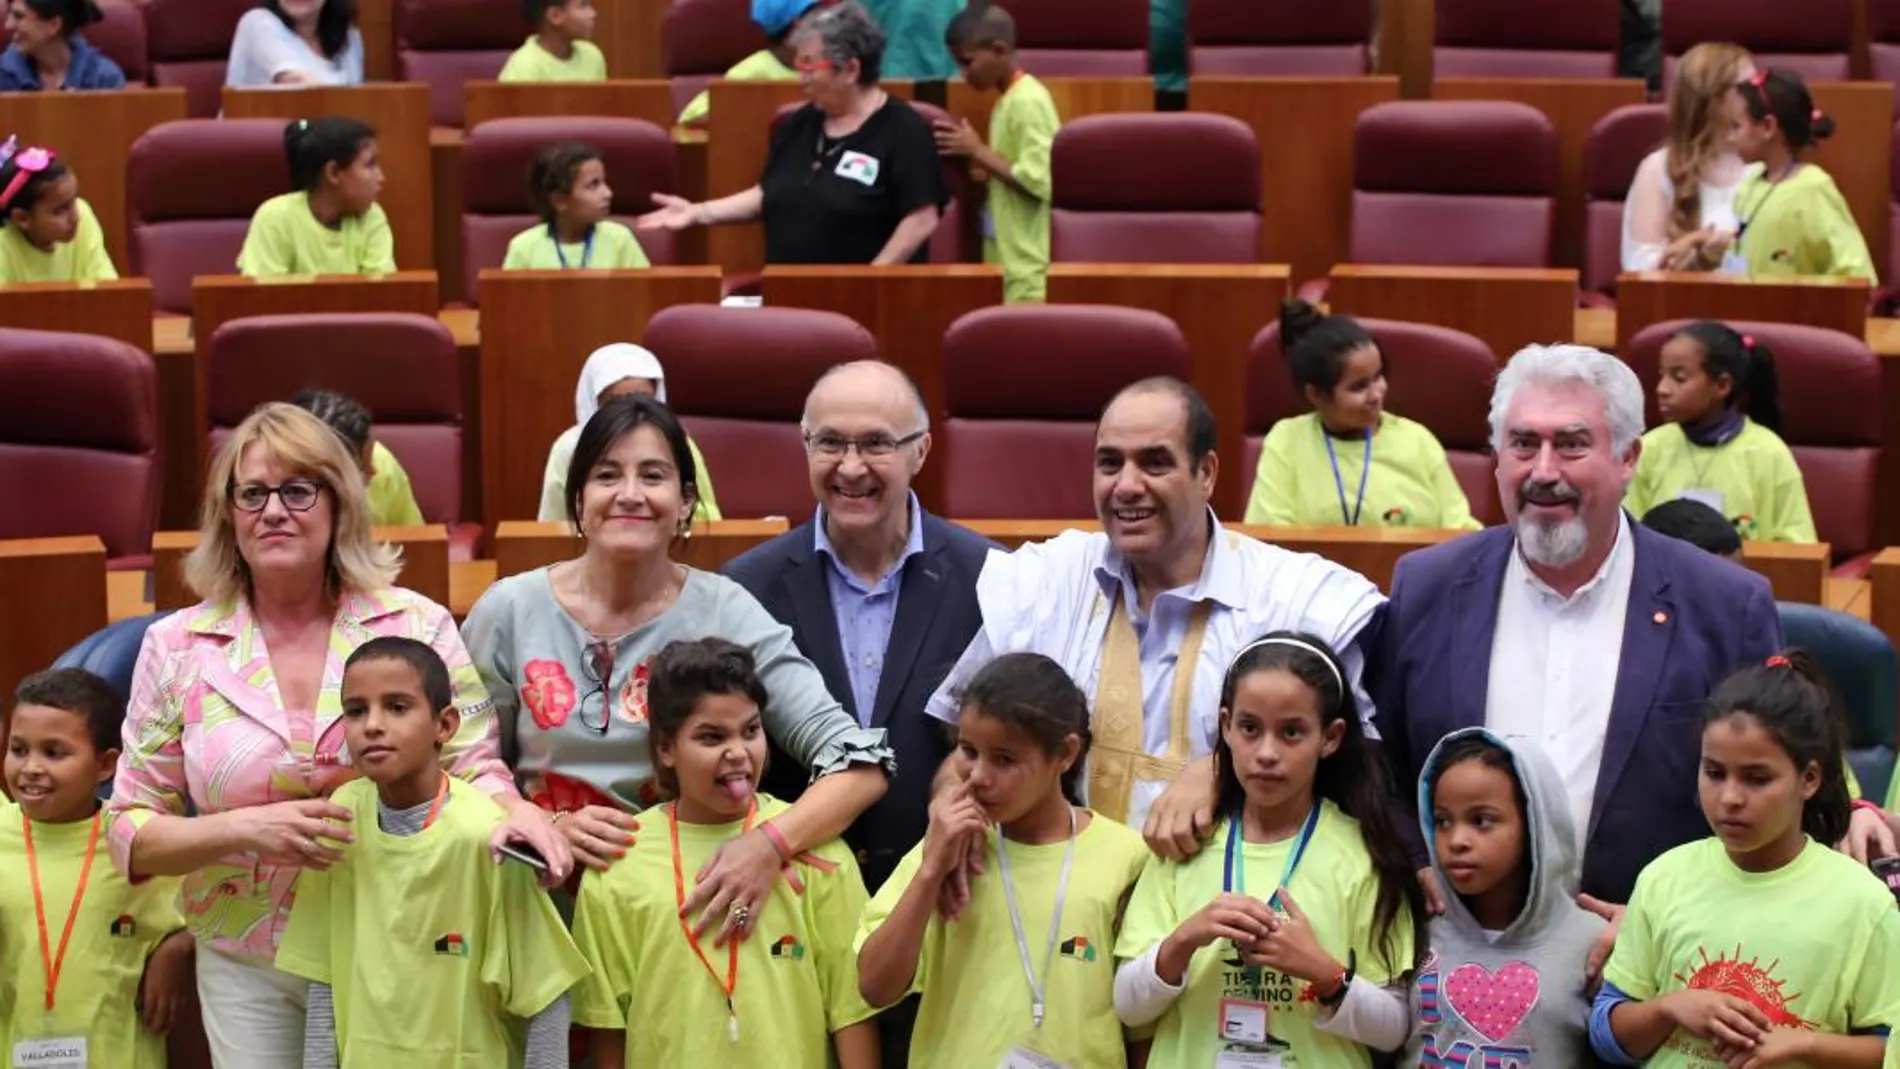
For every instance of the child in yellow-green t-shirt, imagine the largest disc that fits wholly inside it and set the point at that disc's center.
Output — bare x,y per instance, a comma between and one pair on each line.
779,20
568,186
110,971
1762,945
419,949
47,231
1023,129
330,224
1793,218
664,990
1349,461
392,500
1718,391
1290,940
1027,971
561,48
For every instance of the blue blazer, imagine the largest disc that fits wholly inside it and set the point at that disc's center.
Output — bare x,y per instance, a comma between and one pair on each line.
1693,619
937,616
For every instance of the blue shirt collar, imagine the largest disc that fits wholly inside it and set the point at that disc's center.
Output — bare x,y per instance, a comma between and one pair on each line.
1221,580
913,545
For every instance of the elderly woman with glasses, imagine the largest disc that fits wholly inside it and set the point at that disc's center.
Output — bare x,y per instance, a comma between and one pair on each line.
234,734
850,178
564,651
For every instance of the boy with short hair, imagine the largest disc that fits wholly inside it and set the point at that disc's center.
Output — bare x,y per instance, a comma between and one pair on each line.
111,969
416,944
1023,126
1697,524
779,19
562,47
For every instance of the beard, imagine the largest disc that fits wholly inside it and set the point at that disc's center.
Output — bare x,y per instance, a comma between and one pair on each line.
1551,542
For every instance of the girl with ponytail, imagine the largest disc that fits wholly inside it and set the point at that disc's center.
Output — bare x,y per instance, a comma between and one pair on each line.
1793,218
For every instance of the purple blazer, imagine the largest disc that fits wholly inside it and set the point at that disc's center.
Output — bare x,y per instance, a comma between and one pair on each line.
1693,619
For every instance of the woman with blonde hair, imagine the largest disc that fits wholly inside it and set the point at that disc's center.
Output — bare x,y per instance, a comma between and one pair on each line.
234,733
1680,212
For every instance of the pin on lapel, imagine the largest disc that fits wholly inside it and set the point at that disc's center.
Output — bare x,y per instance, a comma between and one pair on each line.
1661,618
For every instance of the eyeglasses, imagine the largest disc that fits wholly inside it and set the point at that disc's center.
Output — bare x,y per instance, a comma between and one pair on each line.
600,669
298,495
835,446
813,66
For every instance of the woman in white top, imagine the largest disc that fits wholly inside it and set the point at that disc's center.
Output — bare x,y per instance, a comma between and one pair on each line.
297,42
1680,213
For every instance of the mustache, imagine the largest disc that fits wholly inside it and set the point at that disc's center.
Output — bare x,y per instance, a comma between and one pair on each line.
1558,492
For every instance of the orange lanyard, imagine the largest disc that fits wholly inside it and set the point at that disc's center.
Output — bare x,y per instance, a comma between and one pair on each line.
435,810
729,986
56,962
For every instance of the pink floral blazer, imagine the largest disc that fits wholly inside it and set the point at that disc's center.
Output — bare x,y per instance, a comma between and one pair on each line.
206,725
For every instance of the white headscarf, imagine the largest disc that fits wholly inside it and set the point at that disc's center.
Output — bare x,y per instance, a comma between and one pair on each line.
608,365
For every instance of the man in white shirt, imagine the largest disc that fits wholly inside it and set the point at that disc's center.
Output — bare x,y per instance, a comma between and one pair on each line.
1164,583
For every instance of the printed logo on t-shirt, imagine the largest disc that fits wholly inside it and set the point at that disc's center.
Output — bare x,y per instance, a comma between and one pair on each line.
1493,1004
1747,527
858,167
452,945
788,948
1397,517
1079,948
1751,981
124,927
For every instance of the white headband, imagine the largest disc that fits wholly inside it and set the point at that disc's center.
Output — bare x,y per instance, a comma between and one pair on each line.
1296,643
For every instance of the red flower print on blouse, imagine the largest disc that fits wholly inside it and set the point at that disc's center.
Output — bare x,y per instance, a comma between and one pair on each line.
548,692
633,696
562,794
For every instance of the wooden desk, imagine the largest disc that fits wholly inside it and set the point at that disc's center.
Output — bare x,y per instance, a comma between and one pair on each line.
1218,308
523,547
172,335
906,308
425,563
1573,106
1075,98
1851,596
377,21
93,133
1796,572
1856,156
650,99
1507,307
538,328
400,114
52,595
1305,130
468,581
1371,551
628,32
1012,534
219,299
1647,297
121,309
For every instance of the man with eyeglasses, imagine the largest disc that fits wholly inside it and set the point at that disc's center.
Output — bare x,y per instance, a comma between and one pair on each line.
879,594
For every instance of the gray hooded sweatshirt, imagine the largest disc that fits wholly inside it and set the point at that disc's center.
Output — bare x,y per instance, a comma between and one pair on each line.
1514,999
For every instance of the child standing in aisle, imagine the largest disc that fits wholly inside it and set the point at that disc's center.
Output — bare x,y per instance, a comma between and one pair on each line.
330,224
568,187
1023,128
784,998
1308,969
562,47
1761,946
1793,218
112,965
416,945
48,232
1025,976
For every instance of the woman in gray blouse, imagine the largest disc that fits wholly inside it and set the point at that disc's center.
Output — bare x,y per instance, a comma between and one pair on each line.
564,652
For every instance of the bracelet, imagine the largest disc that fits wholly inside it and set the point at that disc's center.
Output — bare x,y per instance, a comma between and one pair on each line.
1862,803
560,815
778,841
1346,974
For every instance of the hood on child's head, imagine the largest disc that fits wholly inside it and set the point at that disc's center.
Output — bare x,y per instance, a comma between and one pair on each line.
1551,836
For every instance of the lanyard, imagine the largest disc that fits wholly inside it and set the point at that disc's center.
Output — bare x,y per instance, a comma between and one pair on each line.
1038,989
55,962
1234,878
587,246
1365,476
1742,225
435,810
729,986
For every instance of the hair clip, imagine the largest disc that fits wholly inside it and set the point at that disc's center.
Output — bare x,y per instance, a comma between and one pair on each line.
1748,341
1758,79
1815,115
1778,661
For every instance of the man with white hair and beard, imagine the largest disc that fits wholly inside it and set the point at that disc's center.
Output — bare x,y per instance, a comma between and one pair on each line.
1574,627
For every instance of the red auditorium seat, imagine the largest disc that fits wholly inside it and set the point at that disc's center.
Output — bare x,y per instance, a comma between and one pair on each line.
1889,295
448,43
1616,146
1830,412
1023,388
1176,188
1287,38
1813,37
1420,196
403,368
495,160
738,378
1883,28
1440,377
191,188
79,451
121,36
701,39
189,42
1082,38
1513,39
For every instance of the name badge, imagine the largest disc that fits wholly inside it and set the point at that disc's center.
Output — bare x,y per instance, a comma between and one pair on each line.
989,225
1242,1021
64,1053
1711,498
1252,1059
858,167
1734,263
1024,1058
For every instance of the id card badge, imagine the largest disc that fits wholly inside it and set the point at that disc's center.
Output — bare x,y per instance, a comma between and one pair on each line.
1252,1059
1711,498
1243,1021
56,1053
1734,263
1021,1057
989,225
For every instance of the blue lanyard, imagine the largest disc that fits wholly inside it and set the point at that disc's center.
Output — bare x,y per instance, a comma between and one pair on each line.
1234,876
1365,476
587,247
